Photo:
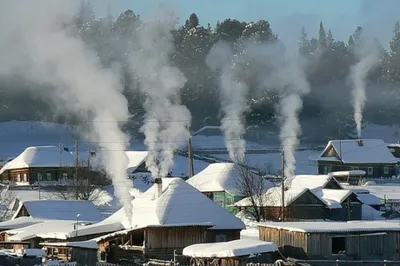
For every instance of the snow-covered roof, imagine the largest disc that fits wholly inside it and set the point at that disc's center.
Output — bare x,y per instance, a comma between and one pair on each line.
220,177
61,210
177,198
90,244
235,248
348,173
332,197
332,227
312,181
19,222
135,159
32,252
371,151
273,198
48,229
41,156
369,199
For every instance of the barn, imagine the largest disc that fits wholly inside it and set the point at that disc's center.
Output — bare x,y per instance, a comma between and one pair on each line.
355,240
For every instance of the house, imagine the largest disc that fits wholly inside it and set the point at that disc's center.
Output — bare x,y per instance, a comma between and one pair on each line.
300,204
221,183
169,216
66,210
355,240
370,155
15,224
39,163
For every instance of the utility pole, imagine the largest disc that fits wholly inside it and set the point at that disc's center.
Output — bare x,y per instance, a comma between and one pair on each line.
283,186
76,168
190,155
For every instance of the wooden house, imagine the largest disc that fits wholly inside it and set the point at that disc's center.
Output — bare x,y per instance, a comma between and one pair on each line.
220,182
40,163
169,216
15,224
356,240
370,155
82,252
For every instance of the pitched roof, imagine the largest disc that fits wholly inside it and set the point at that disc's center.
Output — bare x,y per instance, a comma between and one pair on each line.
372,151
61,210
48,229
177,198
219,177
273,197
369,199
19,223
40,156
332,197
312,181
135,158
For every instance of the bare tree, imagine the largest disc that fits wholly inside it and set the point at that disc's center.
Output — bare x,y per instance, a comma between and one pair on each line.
85,185
7,200
252,186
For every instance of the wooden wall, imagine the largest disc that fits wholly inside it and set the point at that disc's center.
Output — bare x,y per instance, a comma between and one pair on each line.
229,235
358,245
162,241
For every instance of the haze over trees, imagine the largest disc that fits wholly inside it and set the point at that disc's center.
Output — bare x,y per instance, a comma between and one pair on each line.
328,61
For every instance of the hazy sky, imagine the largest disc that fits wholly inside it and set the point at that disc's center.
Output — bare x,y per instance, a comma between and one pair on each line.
286,16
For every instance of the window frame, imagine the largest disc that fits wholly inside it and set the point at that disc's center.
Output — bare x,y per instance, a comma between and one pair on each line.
370,171
385,170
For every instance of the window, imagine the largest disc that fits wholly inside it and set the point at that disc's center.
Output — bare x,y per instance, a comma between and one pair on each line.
370,171
65,176
48,176
338,245
327,169
18,177
355,168
25,178
386,170
39,176
220,238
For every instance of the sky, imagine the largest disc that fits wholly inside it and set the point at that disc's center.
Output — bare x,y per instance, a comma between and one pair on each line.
285,16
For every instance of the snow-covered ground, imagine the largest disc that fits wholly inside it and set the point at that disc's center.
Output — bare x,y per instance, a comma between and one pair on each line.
388,190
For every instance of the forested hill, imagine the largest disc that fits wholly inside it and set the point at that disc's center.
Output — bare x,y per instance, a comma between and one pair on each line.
328,61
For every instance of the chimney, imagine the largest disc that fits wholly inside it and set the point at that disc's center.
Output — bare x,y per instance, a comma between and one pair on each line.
360,142
158,182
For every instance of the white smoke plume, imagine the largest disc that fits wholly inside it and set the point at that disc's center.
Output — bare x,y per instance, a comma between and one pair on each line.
37,46
369,55
233,93
167,122
289,78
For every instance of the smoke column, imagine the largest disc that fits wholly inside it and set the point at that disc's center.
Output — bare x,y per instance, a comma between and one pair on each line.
289,78
233,93
166,122
369,58
37,46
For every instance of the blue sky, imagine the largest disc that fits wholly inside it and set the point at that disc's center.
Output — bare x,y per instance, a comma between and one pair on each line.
286,16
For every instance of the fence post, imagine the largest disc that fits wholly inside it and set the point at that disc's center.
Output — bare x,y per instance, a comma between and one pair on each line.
174,257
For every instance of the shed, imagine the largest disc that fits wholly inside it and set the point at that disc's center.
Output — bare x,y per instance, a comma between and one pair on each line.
82,252
370,155
349,177
59,210
233,252
355,240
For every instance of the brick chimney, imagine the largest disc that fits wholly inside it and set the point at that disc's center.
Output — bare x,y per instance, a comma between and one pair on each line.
360,142
158,183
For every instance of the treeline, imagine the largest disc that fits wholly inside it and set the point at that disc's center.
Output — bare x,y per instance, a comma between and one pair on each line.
327,111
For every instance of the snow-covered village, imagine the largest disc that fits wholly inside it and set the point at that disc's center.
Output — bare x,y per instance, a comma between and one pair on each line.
225,133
